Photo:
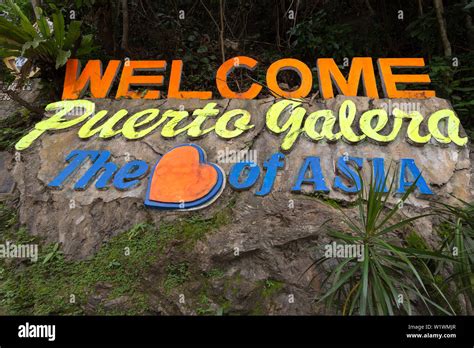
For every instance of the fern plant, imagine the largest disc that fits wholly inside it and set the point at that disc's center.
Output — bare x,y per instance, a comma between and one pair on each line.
42,43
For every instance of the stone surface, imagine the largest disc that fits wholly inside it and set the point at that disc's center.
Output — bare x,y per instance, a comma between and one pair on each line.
7,183
29,92
275,241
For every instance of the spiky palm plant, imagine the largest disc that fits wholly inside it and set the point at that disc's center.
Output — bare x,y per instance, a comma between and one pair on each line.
458,240
391,279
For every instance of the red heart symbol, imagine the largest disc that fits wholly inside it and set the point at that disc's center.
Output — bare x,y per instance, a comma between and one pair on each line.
183,179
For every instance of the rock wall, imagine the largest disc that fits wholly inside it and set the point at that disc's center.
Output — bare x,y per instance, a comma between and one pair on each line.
276,235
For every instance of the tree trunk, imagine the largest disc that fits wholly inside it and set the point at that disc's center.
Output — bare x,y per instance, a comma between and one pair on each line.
125,27
469,27
221,34
370,8
37,111
105,26
420,8
470,30
438,5
277,27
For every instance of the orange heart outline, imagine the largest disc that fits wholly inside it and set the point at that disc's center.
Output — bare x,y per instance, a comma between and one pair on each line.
200,202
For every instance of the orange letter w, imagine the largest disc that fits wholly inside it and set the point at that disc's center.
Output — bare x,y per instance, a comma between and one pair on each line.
75,84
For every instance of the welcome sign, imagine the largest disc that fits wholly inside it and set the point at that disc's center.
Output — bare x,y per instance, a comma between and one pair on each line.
236,158
191,152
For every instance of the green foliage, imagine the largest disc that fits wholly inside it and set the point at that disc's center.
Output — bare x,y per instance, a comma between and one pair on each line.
44,287
271,287
76,4
200,62
421,29
53,253
469,5
456,83
8,220
84,3
204,307
188,232
319,34
334,203
387,272
24,5
458,240
40,43
176,275
414,241
215,273
451,78
13,128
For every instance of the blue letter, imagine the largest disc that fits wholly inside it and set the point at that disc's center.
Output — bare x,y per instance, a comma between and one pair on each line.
271,167
132,170
378,173
236,171
349,173
75,159
408,163
98,166
317,178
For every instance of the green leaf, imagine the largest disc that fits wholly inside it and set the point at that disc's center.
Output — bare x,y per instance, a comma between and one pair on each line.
62,58
5,43
469,6
73,34
31,44
5,52
401,224
365,281
13,32
344,236
340,282
58,25
464,89
86,46
202,49
43,24
51,254
24,21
